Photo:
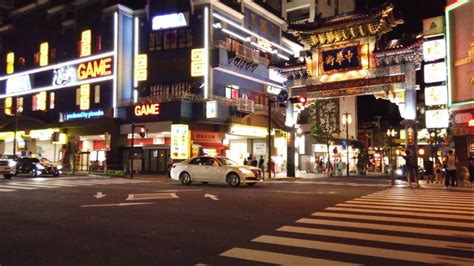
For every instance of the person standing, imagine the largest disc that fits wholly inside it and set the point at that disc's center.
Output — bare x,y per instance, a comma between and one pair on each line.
429,171
245,161
261,164
471,169
451,167
411,166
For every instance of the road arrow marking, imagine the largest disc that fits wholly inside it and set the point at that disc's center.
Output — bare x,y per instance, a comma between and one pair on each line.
148,196
213,197
117,204
99,195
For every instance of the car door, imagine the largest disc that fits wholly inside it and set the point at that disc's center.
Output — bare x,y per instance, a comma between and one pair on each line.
195,167
215,171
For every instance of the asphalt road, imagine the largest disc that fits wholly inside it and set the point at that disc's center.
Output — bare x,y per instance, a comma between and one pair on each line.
95,221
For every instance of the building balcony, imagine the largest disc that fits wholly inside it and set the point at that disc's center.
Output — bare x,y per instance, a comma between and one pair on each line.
242,56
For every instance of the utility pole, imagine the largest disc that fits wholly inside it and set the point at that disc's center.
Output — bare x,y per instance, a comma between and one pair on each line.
132,151
16,127
270,102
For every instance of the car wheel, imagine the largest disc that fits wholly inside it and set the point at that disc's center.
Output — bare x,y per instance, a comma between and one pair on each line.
7,176
33,172
185,178
56,174
233,179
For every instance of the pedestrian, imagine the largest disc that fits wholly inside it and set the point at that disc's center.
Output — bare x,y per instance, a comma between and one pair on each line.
245,161
411,167
272,164
471,169
429,171
261,164
451,167
438,172
169,164
254,162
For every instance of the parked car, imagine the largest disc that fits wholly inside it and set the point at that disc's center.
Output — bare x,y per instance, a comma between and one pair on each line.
7,167
215,170
36,167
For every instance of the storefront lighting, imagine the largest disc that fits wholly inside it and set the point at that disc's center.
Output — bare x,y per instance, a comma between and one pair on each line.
231,33
43,54
262,48
115,53
206,50
86,40
230,22
283,57
169,21
10,63
135,95
234,73
141,68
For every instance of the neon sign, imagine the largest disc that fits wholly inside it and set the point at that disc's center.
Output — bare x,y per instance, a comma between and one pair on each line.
10,62
169,21
43,54
197,62
141,63
83,115
93,69
86,37
18,84
180,141
84,94
147,109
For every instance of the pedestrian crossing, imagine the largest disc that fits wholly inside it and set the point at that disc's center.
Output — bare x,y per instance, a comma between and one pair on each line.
335,183
41,183
395,226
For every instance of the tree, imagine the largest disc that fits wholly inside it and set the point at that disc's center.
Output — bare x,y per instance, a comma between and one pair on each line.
324,121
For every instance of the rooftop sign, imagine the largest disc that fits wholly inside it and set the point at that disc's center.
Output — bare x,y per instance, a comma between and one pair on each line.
176,20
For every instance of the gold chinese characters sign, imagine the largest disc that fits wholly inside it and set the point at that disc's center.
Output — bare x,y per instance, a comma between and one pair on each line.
341,58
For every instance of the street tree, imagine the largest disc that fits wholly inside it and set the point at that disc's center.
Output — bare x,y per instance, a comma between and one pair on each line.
324,122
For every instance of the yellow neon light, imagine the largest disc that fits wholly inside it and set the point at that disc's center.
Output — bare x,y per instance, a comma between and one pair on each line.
85,91
86,48
10,62
44,54
41,101
197,62
8,105
141,67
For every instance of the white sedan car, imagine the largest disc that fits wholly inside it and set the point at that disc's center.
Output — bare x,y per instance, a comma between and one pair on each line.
215,169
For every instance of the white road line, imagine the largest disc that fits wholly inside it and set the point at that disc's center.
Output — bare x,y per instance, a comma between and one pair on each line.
409,204
393,219
416,199
32,185
423,210
404,213
365,251
428,196
394,228
17,187
278,258
117,204
148,196
6,190
377,237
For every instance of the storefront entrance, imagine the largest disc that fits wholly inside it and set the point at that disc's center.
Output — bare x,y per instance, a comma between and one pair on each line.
155,160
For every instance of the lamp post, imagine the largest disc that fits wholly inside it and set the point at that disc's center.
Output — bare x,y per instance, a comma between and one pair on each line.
346,120
391,133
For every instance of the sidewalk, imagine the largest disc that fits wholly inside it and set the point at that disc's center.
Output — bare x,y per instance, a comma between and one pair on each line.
424,185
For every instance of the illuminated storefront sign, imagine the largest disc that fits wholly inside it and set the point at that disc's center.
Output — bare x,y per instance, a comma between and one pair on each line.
264,43
86,38
147,109
10,63
437,118
180,141
435,72
434,50
18,84
169,21
211,109
341,59
437,95
83,115
433,26
8,105
197,62
141,65
84,94
44,54
249,131
39,101
93,69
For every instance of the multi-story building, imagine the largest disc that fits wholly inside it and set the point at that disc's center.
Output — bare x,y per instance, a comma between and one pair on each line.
301,11
195,74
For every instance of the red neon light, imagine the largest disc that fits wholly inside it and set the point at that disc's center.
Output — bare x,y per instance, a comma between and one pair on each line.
471,123
147,109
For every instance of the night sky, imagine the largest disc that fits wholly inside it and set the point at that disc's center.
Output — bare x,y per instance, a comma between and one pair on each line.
413,12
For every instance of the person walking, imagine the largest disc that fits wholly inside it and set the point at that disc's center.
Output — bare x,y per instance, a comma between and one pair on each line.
451,167
245,161
261,164
429,171
411,167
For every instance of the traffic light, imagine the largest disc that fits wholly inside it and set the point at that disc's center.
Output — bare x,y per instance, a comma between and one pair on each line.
142,131
298,99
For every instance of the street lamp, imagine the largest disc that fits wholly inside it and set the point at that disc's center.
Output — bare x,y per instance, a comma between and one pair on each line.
346,120
391,133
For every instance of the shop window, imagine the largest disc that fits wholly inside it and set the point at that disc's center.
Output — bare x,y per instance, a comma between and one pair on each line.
19,104
263,26
97,94
273,31
170,39
252,21
8,105
52,99
232,92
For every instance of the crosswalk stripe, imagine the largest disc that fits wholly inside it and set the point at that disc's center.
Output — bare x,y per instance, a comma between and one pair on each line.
413,199
393,228
423,210
278,258
6,190
32,185
392,219
424,192
361,250
447,198
57,184
17,187
377,237
404,213
409,203
428,196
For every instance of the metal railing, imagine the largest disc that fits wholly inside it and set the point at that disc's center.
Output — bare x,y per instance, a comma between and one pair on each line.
243,51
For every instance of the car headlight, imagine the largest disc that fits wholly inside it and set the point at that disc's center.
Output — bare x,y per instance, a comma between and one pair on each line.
399,172
245,171
39,167
11,163
59,167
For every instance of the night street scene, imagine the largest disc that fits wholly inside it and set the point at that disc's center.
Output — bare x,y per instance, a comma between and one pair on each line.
236,132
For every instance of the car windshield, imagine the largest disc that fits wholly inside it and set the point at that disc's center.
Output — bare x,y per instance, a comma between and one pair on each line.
226,161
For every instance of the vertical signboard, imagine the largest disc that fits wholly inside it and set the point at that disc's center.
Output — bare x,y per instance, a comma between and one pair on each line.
180,142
